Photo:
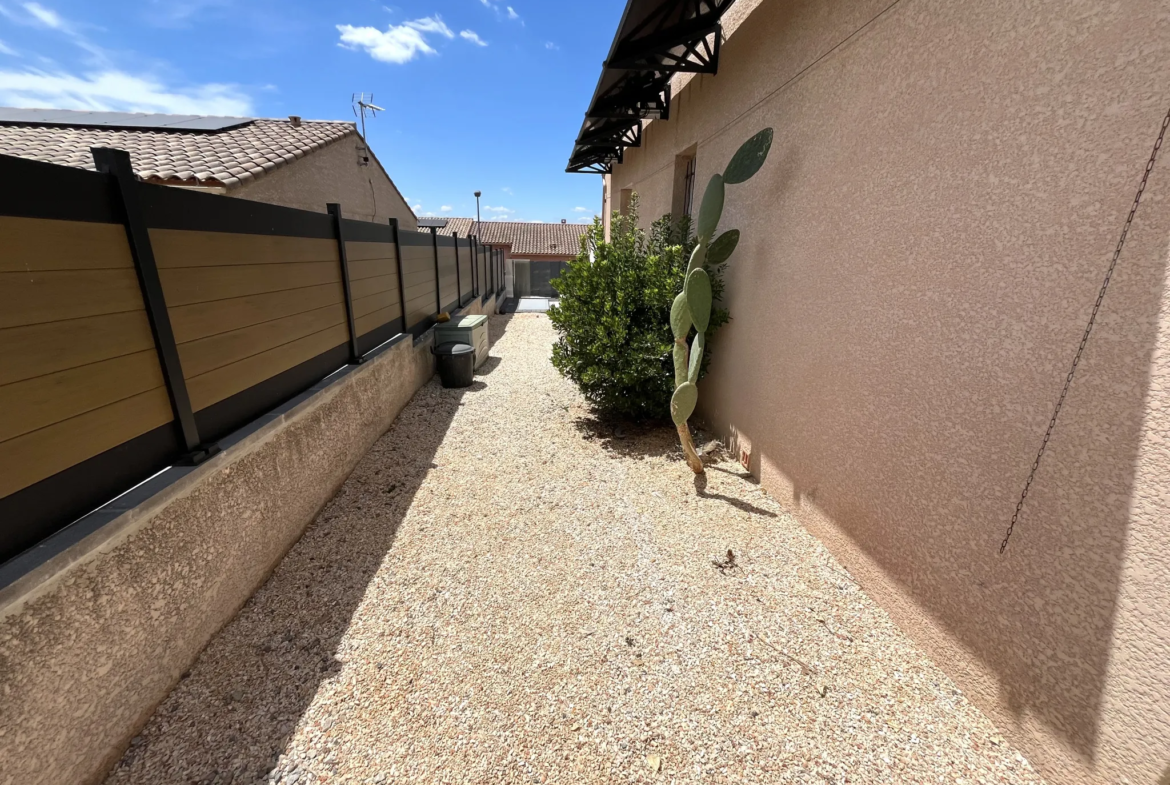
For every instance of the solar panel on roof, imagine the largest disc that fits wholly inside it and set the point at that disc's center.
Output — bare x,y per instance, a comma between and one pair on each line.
132,120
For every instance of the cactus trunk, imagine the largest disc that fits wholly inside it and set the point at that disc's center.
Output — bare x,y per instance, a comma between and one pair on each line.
692,307
693,459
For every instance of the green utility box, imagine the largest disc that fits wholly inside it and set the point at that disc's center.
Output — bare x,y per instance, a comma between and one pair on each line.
471,330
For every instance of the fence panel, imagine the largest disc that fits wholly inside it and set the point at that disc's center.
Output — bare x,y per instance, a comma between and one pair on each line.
373,276
448,286
247,307
255,296
418,278
79,378
465,269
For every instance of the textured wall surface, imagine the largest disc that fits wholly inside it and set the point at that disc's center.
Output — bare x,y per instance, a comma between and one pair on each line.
478,307
946,187
333,174
87,655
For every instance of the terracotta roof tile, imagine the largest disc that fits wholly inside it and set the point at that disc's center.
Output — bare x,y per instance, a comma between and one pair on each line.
179,157
525,237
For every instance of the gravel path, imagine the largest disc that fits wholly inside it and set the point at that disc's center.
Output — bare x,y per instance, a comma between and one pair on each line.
507,591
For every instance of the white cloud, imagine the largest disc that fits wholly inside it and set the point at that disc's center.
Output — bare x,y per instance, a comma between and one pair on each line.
113,90
507,190
398,43
5,49
45,16
550,45
508,11
581,209
504,210
469,35
416,207
445,208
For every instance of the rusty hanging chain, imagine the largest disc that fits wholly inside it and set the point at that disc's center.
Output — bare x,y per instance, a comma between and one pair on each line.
1088,329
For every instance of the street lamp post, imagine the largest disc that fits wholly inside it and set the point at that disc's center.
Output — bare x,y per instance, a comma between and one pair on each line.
477,195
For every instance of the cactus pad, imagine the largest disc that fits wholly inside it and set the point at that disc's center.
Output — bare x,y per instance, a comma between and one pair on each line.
748,158
683,402
698,292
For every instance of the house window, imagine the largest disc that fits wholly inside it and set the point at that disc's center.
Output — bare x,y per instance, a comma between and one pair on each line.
624,202
689,186
683,199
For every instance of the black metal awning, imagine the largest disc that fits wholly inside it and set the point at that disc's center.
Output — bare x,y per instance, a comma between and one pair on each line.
655,40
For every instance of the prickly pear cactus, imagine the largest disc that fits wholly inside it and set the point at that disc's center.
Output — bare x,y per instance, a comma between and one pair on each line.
692,307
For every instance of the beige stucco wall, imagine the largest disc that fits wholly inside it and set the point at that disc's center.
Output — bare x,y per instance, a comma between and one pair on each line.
91,643
479,307
919,258
334,174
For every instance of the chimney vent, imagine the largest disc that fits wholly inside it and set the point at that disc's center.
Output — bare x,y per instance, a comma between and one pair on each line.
295,120
564,221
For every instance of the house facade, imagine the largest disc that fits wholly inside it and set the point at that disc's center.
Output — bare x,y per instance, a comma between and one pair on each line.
293,163
920,256
535,253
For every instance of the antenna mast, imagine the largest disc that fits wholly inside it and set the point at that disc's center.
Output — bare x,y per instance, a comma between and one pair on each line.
360,107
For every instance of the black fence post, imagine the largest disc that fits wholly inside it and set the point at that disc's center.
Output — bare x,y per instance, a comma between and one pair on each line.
458,275
355,357
401,285
475,267
116,163
438,280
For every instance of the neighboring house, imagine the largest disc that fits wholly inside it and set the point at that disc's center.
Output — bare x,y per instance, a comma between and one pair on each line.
919,259
535,253
295,163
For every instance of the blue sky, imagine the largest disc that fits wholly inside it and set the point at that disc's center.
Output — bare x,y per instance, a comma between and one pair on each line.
479,94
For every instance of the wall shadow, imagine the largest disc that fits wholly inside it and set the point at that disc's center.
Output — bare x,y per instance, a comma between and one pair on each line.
739,504
231,716
497,327
930,501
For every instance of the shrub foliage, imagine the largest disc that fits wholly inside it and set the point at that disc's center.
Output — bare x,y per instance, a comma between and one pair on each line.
613,318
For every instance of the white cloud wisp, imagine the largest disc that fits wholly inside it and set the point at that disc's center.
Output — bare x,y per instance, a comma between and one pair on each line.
398,43
470,35
113,90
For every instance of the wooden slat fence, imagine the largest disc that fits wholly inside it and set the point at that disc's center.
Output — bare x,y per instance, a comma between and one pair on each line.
253,296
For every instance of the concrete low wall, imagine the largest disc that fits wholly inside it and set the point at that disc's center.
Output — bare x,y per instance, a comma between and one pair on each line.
480,306
93,638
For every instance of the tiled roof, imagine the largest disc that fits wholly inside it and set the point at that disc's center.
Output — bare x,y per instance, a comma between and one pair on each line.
524,237
222,159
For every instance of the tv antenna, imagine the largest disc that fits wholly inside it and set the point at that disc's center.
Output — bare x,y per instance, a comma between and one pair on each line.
360,107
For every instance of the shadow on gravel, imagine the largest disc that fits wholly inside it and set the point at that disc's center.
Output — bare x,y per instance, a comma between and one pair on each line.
630,439
748,476
231,716
489,365
497,326
739,504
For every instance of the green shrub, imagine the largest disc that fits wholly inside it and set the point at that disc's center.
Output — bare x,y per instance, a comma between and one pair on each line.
613,318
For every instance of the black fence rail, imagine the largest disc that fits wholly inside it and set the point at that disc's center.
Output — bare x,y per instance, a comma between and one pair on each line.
141,323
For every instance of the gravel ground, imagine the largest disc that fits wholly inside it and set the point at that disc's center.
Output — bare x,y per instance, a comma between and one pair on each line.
509,591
